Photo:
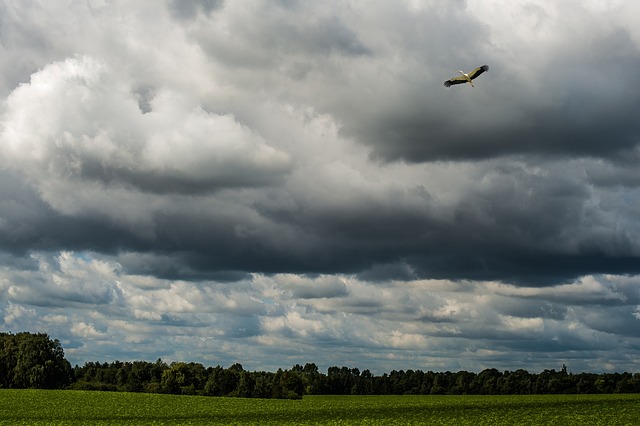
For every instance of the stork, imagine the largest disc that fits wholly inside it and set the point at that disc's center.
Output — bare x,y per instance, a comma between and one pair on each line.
466,78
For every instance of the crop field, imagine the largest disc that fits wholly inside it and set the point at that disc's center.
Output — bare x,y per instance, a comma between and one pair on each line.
39,407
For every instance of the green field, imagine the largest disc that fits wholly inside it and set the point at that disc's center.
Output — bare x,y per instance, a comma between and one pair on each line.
39,407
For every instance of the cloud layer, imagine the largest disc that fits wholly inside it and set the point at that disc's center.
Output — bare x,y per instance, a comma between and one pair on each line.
247,181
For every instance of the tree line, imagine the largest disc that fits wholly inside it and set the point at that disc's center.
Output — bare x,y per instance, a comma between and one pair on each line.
35,361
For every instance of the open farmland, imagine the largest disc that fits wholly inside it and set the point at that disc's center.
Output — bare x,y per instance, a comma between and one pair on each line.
38,407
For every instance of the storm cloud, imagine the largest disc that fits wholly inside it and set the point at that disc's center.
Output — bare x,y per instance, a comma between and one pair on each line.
265,181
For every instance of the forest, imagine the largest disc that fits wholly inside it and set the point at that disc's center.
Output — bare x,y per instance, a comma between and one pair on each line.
34,360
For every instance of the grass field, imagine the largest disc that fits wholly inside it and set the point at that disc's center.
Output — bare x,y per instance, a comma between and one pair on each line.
38,407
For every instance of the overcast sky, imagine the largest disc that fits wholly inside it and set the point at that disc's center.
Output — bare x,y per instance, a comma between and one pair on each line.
274,182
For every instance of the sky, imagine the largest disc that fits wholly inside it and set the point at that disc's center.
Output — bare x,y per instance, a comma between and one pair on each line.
276,182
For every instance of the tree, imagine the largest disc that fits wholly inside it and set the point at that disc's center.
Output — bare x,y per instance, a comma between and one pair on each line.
33,361
263,387
183,378
462,383
223,382
292,384
246,385
486,383
172,380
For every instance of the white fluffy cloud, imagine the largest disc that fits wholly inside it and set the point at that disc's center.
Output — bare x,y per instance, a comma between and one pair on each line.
74,121
267,320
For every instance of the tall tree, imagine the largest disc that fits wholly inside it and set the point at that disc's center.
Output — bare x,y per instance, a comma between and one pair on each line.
30,360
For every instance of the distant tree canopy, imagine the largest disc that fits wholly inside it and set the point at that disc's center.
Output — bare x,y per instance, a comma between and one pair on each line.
35,361
32,361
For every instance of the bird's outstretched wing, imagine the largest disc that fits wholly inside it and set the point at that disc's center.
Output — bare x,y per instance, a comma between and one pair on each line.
476,72
455,80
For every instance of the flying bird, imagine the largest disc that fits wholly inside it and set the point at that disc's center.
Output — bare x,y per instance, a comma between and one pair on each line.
466,78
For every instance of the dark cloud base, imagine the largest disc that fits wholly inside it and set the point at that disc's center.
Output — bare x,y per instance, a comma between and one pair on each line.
195,248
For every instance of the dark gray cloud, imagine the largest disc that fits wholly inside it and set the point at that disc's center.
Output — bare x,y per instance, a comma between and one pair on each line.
573,105
189,9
